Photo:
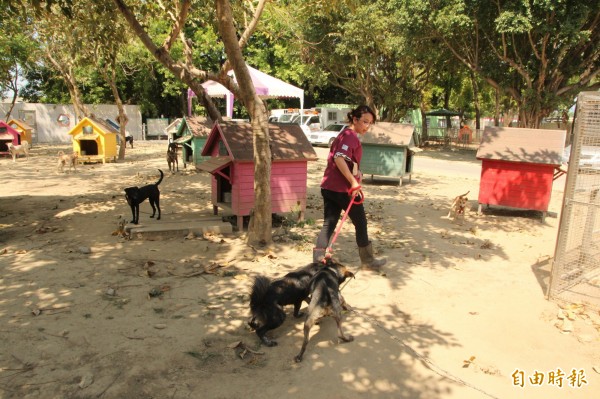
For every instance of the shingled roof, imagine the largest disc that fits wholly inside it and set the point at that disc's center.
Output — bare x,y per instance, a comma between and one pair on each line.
288,142
21,123
540,146
103,124
200,126
387,133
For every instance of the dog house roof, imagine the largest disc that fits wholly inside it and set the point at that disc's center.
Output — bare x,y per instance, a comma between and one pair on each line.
387,133
20,123
102,126
539,146
8,132
199,126
288,142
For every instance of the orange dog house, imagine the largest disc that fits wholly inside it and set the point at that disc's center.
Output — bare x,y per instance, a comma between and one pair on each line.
24,130
94,140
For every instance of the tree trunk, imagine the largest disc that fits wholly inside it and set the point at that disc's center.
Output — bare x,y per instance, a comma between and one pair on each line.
424,132
476,100
67,74
187,74
13,86
497,107
122,119
259,230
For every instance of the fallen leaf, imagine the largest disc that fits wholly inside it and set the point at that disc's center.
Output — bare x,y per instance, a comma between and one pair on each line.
468,362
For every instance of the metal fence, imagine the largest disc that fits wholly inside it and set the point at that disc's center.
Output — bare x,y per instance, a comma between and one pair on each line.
575,276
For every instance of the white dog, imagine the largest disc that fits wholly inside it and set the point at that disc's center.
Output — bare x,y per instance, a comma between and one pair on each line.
19,149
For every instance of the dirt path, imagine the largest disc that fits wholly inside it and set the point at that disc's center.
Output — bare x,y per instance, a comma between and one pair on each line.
458,313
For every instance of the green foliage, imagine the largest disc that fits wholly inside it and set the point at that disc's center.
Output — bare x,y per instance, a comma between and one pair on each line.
395,54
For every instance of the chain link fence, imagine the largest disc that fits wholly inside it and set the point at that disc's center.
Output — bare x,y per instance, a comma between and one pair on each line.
575,276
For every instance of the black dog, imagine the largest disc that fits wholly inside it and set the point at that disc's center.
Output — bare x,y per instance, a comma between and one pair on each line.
326,300
129,139
268,299
136,195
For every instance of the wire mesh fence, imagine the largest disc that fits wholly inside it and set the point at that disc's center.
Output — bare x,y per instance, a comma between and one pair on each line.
575,274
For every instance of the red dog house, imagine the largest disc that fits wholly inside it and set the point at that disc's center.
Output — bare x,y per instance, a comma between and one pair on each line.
232,167
8,134
518,167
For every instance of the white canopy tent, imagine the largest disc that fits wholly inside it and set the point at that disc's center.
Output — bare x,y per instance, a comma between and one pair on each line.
266,87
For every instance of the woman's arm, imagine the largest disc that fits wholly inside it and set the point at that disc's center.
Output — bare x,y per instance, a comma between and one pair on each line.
342,166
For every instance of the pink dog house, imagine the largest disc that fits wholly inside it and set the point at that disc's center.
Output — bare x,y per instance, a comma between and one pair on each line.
8,135
232,167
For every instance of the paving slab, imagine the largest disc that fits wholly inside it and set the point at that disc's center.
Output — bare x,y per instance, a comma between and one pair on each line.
159,229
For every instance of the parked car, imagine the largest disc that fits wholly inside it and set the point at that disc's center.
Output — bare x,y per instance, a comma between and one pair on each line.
589,159
308,123
327,135
286,118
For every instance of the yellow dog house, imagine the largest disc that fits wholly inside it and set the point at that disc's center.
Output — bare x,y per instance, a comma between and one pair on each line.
94,140
24,130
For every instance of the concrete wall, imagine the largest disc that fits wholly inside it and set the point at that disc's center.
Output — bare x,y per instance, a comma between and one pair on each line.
51,123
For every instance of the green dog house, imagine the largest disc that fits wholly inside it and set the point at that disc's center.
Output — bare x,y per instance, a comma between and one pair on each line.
191,136
388,150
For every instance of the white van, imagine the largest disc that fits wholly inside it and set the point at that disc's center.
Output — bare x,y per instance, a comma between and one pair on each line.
309,124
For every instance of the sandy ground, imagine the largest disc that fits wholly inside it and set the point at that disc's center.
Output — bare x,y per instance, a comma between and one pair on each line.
459,311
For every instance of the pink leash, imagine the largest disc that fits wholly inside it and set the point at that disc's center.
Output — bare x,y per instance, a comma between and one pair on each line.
353,201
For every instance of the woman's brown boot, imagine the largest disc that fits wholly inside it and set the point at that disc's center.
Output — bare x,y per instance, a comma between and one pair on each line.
367,259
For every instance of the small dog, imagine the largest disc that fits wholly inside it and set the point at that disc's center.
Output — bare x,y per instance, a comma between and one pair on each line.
67,159
15,150
120,231
268,299
459,206
129,139
326,300
136,195
172,157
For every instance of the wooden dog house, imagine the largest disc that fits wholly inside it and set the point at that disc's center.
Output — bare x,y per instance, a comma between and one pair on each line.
388,150
232,167
191,135
94,140
518,167
8,134
25,131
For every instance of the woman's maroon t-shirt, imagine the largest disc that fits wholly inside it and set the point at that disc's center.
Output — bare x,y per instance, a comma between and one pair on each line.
348,146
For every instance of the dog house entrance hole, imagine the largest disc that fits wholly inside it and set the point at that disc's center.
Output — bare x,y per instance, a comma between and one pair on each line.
88,147
4,145
188,154
224,187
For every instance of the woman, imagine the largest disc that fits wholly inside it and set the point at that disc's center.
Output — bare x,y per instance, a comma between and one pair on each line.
340,180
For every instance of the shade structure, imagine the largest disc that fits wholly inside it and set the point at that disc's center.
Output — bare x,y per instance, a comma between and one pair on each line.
266,87
442,112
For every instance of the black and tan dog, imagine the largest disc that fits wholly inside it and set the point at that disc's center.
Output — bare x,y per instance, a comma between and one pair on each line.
129,139
268,299
136,195
326,300
172,157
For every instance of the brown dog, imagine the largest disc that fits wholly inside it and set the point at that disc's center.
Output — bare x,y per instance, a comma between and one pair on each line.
67,160
172,157
326,300
459,206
